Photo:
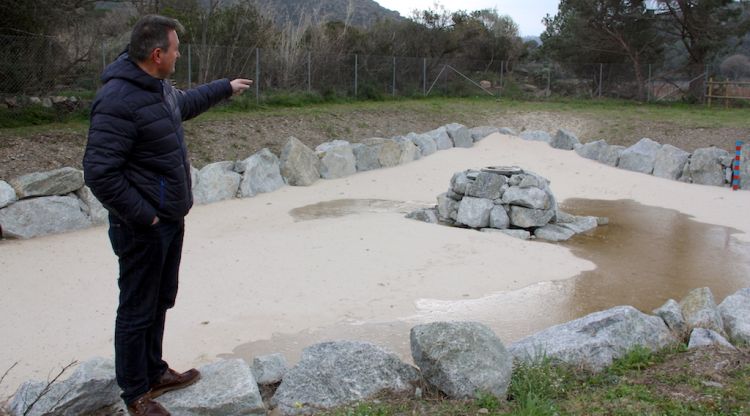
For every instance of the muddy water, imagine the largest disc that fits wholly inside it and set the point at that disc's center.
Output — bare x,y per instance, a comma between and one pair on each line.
644,256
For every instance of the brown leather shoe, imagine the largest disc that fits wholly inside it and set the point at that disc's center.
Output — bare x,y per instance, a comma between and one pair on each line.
144,406
172,380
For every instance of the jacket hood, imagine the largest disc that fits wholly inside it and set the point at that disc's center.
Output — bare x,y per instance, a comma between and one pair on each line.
125,68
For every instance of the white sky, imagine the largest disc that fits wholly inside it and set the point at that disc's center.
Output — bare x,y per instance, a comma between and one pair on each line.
527,14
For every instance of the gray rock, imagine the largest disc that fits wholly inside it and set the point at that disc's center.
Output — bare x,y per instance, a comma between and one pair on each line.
454,196
595,340
92,207
388,151
460,181
366,156
701,337
91,387
332,374
579,224
536,135
461,358
479,133
216,182
564,140
640,157
441,138
460,135
7,194
227,387
528,217
409,151
670,162
474,212
193,177
699,310
426,144
706,168
55,182
507,131
745,167
612,155
528,180
269,369
735,314
486,185
685,176
593,150
499,218
299,164
428,215
41,216
336,159
554,232
671,313
447,208
526,197
261,173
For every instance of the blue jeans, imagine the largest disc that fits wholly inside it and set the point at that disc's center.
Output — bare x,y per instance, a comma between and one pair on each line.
149,258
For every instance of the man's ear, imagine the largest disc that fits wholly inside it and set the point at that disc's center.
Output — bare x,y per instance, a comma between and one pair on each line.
156,55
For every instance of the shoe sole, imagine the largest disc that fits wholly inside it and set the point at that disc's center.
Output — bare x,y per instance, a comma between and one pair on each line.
156,393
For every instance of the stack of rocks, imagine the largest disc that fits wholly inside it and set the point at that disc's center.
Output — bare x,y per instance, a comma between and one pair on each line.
505,199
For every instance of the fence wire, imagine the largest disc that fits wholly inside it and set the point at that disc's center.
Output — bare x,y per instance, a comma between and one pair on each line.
49,66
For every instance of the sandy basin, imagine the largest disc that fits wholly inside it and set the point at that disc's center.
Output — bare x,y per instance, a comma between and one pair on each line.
253,275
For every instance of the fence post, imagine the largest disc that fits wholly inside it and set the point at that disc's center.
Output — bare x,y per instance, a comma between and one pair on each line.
648,85
356,63
309,73
705,82
257,75
424,76
190,67
393,83
601,72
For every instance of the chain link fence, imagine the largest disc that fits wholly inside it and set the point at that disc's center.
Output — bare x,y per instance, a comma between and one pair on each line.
47,66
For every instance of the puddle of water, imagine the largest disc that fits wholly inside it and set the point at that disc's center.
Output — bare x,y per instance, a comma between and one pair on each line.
343,207
645,256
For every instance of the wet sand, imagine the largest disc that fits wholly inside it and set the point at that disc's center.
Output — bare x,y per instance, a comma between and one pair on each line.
270,274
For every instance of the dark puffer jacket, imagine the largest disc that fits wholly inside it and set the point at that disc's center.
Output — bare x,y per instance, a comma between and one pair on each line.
136,161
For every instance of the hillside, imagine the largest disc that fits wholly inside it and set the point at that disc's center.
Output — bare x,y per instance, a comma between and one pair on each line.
361,13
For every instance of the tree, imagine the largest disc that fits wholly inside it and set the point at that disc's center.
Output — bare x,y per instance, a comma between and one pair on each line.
603,31
703,27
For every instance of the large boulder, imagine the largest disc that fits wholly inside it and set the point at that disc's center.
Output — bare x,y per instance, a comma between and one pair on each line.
528,217
7,194
428,215
640,157
706,167
554,233
499,218
92,207
388,151
701,337
425,143
90,388
269,369
447,207
261,173
671,313
461,359
216,182
332,374
409,150
507,131
745,167
670,162
612,154
595,340
227,387
460,135
536,135
55,182
592,150
699,310
441,138
479,133
45,215
486,185
474,212
735,314
529,197
367,157
564,140
299,164
336,159
579,224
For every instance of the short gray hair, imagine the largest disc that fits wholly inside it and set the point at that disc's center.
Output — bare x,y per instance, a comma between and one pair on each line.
151,32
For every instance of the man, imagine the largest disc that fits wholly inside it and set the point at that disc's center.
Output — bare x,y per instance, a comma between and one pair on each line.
136,164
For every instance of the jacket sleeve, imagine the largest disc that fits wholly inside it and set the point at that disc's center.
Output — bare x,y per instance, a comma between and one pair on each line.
194,101
110,140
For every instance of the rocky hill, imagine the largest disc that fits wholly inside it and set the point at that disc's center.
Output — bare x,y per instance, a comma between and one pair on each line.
361,13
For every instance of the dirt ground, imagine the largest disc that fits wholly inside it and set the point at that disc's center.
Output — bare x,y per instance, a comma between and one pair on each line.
240,135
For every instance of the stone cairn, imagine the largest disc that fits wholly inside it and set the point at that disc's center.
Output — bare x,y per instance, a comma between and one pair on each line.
508,200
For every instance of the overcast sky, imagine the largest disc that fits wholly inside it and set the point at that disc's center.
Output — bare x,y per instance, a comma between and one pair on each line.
527,14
